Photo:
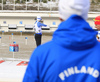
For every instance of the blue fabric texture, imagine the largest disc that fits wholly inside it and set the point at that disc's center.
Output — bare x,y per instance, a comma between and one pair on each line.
73,55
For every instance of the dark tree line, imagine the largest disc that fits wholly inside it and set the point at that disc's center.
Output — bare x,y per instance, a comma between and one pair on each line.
93,1
22,1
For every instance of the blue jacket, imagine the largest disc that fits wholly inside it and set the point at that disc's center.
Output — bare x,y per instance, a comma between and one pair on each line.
73,55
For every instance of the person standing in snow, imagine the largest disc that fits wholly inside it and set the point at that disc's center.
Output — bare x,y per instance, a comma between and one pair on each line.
73,54
38,30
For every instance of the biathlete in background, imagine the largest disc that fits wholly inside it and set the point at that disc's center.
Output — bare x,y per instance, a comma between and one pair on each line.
97,26
38,30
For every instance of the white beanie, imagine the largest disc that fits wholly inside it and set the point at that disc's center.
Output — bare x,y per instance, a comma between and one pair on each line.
70,7
39,18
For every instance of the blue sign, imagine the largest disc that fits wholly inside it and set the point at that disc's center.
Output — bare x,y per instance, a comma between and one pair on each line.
4,22
21,22
26,38
2,31
54,23
0,37
11,48
14,47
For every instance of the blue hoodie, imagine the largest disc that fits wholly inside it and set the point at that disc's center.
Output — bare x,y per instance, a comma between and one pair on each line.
71,56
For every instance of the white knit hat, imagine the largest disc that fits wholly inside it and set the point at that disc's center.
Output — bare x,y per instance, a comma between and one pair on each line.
39,18
70,7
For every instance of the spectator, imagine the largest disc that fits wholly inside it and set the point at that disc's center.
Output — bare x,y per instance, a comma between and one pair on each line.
97,26
38,30
73,53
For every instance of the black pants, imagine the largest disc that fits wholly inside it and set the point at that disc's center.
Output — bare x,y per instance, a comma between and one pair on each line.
38,39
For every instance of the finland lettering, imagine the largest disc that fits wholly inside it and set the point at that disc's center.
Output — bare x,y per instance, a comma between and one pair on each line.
74,70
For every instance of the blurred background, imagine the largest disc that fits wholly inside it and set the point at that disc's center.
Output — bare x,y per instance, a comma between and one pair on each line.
17,17
40,5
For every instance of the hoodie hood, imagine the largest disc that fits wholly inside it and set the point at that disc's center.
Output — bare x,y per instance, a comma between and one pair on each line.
78,7
75,33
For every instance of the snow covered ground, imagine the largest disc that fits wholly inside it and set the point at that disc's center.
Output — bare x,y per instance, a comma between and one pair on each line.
12,71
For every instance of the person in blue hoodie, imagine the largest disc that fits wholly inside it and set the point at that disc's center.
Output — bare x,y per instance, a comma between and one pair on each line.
73,54
38,30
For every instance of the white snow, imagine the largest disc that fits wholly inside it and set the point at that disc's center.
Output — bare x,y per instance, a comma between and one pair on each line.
10,72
